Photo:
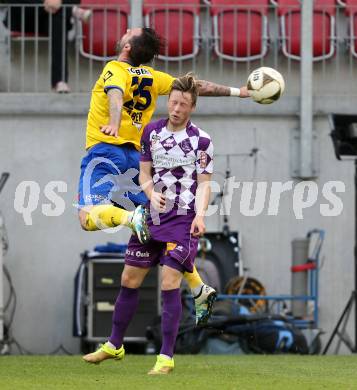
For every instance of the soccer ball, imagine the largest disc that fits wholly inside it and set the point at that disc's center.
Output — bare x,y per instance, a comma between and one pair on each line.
266,85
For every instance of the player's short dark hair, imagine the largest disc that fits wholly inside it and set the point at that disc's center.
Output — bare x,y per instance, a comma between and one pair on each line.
188,84
145,47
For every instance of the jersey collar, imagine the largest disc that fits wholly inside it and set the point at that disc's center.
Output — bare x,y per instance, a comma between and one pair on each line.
189,124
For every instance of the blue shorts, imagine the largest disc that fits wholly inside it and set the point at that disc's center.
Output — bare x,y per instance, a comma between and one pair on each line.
110,174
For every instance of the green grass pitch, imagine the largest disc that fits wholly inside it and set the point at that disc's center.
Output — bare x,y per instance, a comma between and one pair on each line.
199,372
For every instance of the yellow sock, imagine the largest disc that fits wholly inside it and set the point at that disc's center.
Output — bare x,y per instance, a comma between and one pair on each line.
106,216
193,278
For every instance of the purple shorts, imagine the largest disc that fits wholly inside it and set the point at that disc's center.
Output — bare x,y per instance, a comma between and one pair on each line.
171,244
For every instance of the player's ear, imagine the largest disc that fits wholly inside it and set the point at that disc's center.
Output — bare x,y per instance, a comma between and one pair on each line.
127,47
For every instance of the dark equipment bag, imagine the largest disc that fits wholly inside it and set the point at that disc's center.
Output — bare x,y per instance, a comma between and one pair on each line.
262,334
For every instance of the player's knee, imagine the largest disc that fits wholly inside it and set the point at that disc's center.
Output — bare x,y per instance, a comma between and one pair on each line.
171,278
129,280
82,216
170,283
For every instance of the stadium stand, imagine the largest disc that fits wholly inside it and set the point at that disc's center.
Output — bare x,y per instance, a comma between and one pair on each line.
240,31
33,22
178,23
324,36
32,28
98,38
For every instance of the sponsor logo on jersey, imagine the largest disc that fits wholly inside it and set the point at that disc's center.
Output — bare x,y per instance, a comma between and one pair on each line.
167,161
137,125
155,138
137,253
94,197
107,76
170,246
142,254
136,117
186,145
139,71
168,143
203,160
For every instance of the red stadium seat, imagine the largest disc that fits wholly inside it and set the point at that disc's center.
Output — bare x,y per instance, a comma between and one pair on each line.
108,23
351,12
324,36
240,29
177,21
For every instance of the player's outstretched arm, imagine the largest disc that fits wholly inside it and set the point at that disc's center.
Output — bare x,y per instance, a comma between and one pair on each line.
115,97
207,88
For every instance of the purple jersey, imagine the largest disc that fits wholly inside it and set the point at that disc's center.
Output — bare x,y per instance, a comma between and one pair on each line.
177,157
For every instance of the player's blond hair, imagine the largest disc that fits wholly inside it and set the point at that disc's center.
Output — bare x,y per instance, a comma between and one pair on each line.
188,84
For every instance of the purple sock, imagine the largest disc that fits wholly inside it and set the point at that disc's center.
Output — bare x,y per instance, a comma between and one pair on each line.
124,310
170,319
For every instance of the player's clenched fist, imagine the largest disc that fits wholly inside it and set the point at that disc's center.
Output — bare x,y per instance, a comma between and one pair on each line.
198,227
158,201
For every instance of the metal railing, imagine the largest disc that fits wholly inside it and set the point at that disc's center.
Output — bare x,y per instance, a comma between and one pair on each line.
220,43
